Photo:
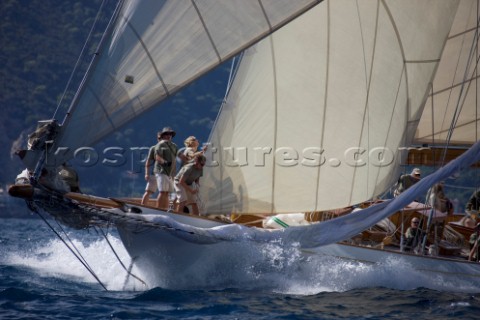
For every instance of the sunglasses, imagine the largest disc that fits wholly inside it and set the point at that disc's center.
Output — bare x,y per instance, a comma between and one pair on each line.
415,222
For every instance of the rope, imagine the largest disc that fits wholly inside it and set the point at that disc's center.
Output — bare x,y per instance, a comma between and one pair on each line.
461,99
121,263
73,245
68,247
80,57
106,215
129,272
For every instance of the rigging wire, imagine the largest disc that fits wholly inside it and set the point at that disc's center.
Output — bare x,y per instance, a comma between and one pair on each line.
129,273
231,76
73,245
68,247
461,96
97,18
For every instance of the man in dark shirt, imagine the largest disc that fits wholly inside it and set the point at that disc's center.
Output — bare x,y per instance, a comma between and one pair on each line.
406,181
165,156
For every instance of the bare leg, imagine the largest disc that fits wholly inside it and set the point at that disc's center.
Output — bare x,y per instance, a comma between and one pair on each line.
195,209
181,206
162,200
176,205
146,196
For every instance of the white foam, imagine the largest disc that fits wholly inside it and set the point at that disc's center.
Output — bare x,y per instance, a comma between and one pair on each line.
53,259
266,267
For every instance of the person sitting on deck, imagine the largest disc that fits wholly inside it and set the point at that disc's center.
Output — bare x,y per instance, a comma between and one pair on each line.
413,236
474,247
184,184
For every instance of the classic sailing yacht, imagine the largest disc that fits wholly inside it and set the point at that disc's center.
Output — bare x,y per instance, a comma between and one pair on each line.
315,120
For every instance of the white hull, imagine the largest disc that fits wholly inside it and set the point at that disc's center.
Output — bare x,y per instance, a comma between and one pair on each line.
449,269
160,250
178,258
177,250
184,251
162,254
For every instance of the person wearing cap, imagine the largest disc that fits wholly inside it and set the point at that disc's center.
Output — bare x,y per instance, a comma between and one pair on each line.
187,183
151,186
474,247
406,181
414,235
164,169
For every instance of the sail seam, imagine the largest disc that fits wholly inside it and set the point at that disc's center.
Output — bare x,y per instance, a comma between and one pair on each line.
366,109
107,115
422,61
403,79
323,120
206,30
265,15
455,85
462,33
157,72
447,130
462,96
275,124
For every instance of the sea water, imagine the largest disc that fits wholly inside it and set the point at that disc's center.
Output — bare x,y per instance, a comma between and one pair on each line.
40,278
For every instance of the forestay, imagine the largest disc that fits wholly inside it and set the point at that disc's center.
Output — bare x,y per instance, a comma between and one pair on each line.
157,47
319,110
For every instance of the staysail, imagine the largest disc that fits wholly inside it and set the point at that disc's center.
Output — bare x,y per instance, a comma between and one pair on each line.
456,86
319,111
156,48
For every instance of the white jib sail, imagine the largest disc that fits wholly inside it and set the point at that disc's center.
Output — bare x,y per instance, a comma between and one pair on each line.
319,110
156,48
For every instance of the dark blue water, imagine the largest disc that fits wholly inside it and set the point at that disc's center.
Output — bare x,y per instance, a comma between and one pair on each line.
41,279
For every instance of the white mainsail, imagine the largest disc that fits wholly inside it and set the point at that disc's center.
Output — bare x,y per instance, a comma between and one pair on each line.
319,110
156,48
455,88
